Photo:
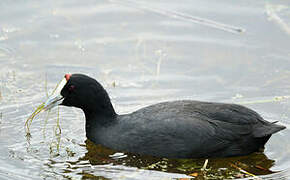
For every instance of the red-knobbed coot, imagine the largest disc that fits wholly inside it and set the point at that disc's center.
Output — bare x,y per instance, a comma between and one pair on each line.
176,129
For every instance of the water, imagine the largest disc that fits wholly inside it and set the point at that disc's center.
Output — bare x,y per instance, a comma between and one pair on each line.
143,53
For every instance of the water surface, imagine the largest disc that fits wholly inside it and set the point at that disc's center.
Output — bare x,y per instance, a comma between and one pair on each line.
143,53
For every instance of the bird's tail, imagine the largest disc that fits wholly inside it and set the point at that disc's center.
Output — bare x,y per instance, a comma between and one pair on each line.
268,129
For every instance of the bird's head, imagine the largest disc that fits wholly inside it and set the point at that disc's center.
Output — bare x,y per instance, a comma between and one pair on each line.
83,92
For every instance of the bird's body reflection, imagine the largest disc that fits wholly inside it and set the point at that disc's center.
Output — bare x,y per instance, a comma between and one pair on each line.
256,163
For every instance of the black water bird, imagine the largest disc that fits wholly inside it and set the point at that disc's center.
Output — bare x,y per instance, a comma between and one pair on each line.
176,129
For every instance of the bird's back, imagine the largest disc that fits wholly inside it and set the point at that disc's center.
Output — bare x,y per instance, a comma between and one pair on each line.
183,129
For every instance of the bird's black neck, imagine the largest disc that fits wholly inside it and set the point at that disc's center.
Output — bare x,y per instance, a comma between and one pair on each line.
101,116
98,109
96,122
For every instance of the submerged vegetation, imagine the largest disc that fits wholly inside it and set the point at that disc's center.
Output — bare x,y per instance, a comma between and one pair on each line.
216,168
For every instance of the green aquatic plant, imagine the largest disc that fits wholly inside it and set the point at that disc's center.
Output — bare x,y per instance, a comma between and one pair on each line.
46,106
274,99
31,117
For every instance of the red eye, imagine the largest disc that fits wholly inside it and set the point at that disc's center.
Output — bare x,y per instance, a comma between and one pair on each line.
71,88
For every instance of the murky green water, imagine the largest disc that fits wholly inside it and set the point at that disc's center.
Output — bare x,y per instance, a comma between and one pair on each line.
143,53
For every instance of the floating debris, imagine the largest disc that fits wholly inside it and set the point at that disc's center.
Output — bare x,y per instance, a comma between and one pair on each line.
204,165
274,99
243,171
273,11
237,96
181,16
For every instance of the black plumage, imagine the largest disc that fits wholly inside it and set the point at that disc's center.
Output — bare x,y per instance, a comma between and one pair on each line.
177,129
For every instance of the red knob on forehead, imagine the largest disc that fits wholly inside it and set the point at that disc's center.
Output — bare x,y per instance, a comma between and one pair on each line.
67,76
